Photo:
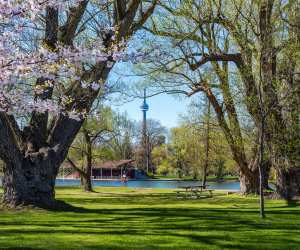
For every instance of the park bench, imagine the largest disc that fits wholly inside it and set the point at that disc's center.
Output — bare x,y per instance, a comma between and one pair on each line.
193,191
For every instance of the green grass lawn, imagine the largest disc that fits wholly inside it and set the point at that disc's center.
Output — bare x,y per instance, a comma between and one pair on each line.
123,218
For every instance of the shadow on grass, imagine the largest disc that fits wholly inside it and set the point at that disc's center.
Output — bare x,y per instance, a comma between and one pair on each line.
184,217
157,224
234,204
155,228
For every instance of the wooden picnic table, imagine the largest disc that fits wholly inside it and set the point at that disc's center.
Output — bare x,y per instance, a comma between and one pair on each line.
194,190
195,187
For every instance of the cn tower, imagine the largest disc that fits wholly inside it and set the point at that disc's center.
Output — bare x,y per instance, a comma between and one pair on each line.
144,109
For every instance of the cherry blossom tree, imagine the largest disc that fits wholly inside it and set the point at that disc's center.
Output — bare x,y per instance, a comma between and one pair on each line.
54,57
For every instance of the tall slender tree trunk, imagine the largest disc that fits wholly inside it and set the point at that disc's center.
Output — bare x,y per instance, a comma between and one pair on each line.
85,175
86,182
261,157
87,178
207,134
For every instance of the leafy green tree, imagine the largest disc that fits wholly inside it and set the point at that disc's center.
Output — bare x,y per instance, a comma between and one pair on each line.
234,49
161,158
96,130
124,133
258,39
186,152
156,136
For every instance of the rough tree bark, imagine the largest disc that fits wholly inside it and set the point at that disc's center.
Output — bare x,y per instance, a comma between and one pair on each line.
30,181
282,147
36,152
29,176
249,183
277,135
288,182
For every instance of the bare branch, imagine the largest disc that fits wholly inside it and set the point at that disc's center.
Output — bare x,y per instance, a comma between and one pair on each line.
144,16
81,172
120,10
68,30
216,57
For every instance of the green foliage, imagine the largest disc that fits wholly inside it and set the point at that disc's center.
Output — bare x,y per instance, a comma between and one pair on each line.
184,154
96,130
164,168
121,143
111,137
228,50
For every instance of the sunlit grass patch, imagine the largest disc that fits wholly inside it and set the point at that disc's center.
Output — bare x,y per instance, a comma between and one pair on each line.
123,218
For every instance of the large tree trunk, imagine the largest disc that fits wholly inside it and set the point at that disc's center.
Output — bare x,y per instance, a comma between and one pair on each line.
29,183
249,180
288,182
249,183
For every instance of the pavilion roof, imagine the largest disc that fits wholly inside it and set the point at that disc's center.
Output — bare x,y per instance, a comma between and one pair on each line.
107,164
113,164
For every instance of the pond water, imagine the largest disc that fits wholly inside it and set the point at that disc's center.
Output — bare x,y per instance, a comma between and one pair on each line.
228,185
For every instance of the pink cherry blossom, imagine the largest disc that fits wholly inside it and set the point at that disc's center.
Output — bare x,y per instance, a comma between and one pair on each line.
21,65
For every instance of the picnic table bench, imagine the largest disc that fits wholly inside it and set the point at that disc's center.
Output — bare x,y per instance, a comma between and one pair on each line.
194,191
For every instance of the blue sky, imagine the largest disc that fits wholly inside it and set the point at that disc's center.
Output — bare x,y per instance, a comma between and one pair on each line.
165,108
